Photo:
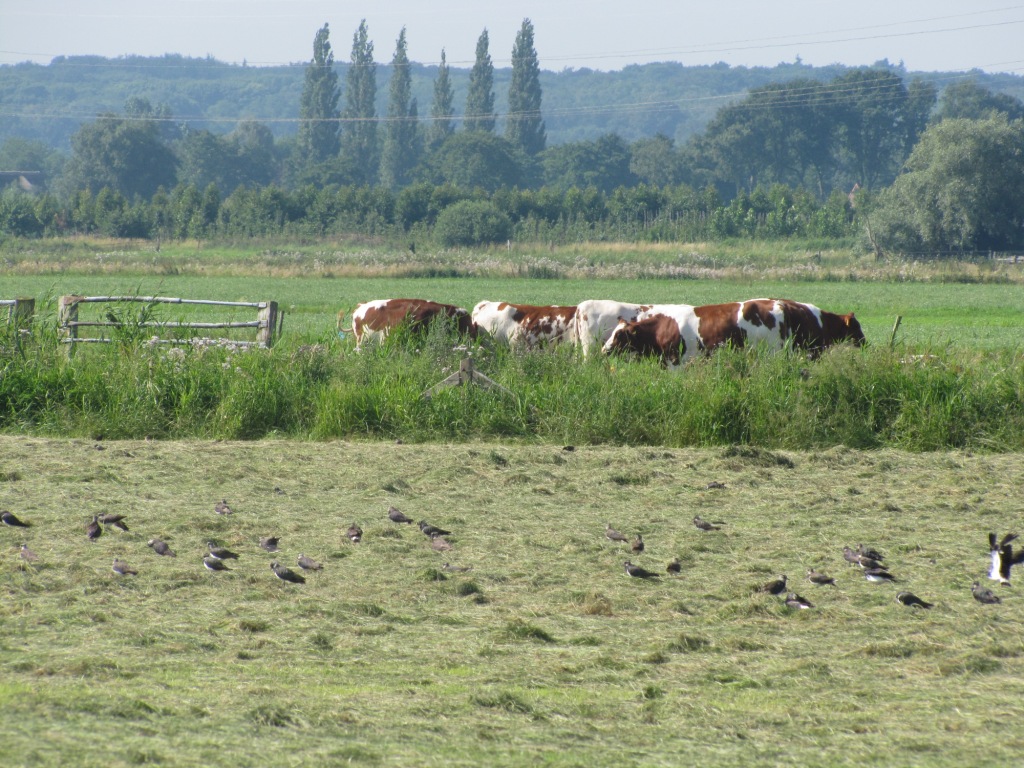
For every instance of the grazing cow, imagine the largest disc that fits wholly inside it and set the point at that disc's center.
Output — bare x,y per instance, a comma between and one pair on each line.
374,320
596,319
524,324
676,333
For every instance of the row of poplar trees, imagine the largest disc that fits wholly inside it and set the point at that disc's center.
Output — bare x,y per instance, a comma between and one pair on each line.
344,142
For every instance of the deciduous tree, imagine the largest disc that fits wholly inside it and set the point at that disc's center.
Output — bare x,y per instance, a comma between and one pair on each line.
401,148
359,118
443,108
479,114
524,127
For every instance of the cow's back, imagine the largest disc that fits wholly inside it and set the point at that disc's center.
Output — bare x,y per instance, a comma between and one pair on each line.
596,319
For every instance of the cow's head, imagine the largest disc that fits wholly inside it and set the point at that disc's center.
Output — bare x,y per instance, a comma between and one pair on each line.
850,330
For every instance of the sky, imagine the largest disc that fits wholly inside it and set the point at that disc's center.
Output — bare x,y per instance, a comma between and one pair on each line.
925,35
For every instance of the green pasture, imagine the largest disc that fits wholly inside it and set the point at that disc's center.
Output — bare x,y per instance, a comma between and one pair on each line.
935,314
545,652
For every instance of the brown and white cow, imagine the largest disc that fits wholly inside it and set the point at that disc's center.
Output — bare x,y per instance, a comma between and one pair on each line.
373,320
597,318
525,324
676,333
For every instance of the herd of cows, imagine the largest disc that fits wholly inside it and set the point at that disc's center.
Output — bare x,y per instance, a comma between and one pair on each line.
673,333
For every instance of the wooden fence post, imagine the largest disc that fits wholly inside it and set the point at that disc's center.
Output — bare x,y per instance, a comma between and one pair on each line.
268,324
67,316
895,327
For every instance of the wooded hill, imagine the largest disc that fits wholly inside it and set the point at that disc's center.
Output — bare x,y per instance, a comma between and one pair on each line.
48,103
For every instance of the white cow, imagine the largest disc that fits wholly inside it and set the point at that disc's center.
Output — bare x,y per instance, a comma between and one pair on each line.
597,318
525,324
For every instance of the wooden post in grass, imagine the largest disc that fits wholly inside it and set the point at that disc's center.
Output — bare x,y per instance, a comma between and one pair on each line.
466,374
895,327
268,318
67,320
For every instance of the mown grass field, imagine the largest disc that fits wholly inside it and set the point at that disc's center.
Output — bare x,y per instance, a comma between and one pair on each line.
544,653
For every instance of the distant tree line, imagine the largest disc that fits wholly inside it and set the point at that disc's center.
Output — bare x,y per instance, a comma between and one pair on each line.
783,161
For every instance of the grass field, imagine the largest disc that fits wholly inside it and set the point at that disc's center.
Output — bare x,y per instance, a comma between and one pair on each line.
544,653
987,315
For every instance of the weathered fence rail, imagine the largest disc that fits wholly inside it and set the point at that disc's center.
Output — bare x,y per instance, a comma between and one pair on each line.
268,324
19,311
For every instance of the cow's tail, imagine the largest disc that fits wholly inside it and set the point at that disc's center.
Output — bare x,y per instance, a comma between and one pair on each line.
342,330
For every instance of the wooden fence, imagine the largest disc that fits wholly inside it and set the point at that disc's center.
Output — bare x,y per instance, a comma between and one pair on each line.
19,311
268,324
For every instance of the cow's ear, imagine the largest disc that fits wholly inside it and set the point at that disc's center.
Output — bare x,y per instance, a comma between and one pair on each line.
849,318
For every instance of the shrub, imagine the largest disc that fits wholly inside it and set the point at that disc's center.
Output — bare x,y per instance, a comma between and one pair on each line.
472,222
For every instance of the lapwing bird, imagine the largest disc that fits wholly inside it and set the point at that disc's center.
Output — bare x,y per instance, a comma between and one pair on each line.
870,564
94,530
868,552
456,568
120,567
704,525
213,564
793,600
639,573
821,579
222,508
354,533
775,586
220,553
713,485
287,574
269,543
1003,557
637,545
612,535
9,518
878,575
309,564
395,516
983,595
674,567
439,543
911,600
114,521
28,555
160,547
432,530
853,558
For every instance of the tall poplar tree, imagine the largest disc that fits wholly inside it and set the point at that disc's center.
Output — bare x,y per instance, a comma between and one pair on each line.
317,141
400,150
359,118
480,99
443,109
524,127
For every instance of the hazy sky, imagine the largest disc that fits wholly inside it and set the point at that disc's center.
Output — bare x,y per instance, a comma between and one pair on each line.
928,35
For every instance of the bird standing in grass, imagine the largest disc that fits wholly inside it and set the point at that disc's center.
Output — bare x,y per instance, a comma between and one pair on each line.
94,530
639,573
793,600
220,553
638,545
308,564
222,508
439,543
1003,558
269,543
120,567
432,530
704,525
395,516
28,555
287,574
612,535
911,600
213,564
354,533
674,567
983,595
160,547
114,521
878,576
820,579
775,586
9,518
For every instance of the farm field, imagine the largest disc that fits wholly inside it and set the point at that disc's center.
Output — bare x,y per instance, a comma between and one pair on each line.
986,316
545,652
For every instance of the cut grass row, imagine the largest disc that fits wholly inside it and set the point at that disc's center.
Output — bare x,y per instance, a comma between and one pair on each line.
543,653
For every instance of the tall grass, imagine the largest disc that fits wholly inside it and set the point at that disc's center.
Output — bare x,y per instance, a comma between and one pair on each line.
866,398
